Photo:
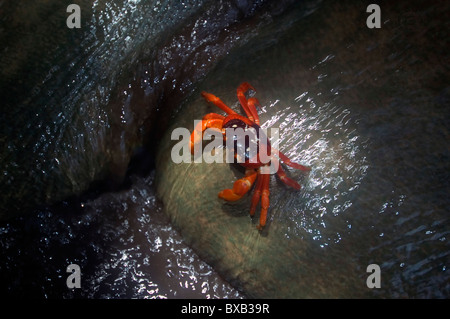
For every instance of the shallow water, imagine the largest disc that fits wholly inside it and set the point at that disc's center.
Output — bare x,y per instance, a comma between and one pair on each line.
373,116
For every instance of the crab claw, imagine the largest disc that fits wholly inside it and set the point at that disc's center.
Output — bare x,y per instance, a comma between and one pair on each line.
240,187
210,120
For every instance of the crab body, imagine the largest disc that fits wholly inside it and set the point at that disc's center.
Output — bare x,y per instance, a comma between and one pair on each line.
255,172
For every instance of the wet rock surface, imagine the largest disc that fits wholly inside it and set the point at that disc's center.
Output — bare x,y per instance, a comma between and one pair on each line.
123,243
82,110
366,109
79,104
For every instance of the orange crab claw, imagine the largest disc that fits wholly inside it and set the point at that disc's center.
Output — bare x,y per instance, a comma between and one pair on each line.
210,120
240,187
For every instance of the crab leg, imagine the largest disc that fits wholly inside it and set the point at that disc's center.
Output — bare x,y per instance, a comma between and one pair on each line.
288,162
217,102
210,120
256,194
284,178
264,200
252,104
248,105
240,187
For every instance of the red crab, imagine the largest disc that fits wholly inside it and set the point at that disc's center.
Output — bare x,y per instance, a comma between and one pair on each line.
253,168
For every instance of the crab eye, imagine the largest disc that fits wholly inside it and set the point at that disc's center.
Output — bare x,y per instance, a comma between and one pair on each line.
235,123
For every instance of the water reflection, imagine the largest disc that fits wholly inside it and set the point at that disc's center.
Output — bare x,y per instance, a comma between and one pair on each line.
324,136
